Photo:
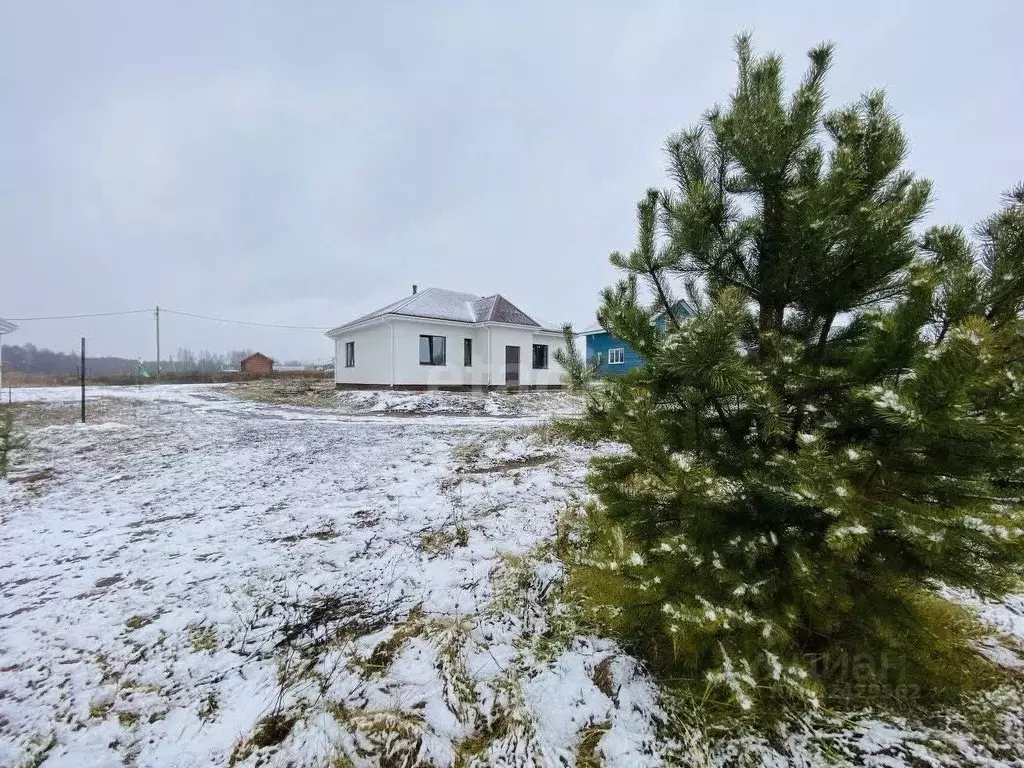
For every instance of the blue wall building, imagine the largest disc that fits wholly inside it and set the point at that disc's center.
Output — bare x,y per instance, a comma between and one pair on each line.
615,356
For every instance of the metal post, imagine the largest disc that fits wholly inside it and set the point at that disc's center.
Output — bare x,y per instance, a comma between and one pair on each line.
83,379
158,341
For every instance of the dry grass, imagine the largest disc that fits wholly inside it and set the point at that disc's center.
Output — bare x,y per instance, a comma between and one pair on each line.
33,415
9,439
318,392
268,732
443,540
201,638
586,754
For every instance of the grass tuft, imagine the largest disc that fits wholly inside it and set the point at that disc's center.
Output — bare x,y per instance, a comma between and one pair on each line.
127,719
209,706
384,654
268,732
99,708
586,752
38,750
138,621
388,737
440,542
202,638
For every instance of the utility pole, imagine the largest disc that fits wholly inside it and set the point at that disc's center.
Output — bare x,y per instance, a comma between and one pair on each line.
158,341
83,379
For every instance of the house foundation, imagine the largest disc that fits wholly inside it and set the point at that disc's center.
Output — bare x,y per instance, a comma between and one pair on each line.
449,387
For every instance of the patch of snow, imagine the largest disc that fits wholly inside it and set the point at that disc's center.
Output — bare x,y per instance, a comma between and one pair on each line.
565,700
144,577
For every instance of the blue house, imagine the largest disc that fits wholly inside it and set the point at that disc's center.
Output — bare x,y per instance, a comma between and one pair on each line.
615,356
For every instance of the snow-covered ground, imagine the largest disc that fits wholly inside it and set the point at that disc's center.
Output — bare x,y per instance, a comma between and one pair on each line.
522,407
194,579
189,576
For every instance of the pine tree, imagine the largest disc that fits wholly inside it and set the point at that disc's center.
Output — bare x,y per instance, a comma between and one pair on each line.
835,435
579,372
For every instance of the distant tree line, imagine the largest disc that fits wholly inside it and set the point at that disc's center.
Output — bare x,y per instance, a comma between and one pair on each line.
29,358
206,361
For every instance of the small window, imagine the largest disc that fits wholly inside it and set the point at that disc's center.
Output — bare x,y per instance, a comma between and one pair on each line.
467,352
432,350
616,356
540,355
350,354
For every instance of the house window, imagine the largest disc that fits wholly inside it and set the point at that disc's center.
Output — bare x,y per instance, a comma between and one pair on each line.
432,350
467,352
617,356
540,355
350,354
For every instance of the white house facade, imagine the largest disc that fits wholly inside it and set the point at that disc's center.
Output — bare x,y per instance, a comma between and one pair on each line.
6,326
440,339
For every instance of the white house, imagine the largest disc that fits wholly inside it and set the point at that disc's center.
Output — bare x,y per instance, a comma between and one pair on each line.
6,326
440,339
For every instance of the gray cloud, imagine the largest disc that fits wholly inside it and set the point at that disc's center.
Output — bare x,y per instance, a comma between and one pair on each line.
305,163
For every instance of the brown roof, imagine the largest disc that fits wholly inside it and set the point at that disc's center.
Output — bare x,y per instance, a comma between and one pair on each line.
253,355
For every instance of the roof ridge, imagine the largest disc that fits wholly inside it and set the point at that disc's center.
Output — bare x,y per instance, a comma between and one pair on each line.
494,304
445,304
416,294
451,290
518,309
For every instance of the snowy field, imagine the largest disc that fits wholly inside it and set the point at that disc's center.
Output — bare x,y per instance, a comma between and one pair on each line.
193,579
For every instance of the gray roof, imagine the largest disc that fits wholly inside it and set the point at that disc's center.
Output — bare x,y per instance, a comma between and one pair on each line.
6,326
454,306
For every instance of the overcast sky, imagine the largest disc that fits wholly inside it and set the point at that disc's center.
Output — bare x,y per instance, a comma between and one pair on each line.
303,163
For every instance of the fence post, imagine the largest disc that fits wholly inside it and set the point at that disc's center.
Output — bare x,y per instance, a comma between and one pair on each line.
83,379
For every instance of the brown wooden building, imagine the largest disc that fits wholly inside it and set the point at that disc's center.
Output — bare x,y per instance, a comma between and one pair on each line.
257,363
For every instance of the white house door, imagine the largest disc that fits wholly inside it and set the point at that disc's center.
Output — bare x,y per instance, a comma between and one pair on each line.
511,366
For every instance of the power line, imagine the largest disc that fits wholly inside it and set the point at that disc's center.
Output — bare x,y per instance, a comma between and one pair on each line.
243,322
77,317
173,312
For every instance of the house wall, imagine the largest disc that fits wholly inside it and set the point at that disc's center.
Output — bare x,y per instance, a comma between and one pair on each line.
373,356
408,370
525,339
598,344
257,365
